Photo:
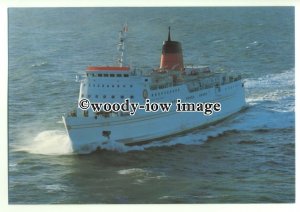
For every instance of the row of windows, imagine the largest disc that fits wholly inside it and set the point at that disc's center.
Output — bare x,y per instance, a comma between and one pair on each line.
165,92
107,75
153,94
104,96
102,86
122,97
192,97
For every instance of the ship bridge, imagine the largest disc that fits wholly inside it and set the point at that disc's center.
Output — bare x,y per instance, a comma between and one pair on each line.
108,71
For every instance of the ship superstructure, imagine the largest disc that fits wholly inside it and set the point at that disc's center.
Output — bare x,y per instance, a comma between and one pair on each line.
168,83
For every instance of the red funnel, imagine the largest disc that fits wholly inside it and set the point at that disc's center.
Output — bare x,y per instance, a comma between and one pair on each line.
171,57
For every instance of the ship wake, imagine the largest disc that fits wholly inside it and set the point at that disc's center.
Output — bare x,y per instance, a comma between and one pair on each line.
254,118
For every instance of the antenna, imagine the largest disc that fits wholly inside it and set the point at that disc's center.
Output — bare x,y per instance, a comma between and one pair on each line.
121,45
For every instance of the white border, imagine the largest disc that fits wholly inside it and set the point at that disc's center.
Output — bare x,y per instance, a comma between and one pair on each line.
141,3
4,4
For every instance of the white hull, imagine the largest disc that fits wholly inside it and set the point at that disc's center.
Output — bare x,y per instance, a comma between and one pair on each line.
86,133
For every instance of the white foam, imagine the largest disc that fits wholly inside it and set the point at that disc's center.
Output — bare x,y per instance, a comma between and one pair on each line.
39,64
278,89
218,41
279,81
250,120
132,171
50,142
257,119
195,138
53,188
119,147
141,176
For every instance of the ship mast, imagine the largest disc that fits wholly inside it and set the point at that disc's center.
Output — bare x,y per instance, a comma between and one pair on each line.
121,46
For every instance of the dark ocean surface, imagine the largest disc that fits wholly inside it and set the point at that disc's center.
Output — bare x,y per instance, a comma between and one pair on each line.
248,158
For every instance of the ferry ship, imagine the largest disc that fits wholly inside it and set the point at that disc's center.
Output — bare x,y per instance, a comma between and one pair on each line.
172,80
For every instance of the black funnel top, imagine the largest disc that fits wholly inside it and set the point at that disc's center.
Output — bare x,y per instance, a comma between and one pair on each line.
169,36
170,46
